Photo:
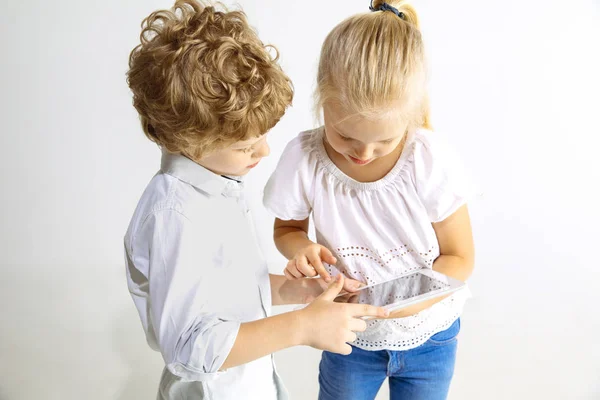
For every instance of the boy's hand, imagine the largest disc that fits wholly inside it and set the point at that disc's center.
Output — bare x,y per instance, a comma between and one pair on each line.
308,262
330,326
316,287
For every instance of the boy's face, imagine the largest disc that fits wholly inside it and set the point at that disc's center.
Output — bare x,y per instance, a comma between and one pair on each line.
237,159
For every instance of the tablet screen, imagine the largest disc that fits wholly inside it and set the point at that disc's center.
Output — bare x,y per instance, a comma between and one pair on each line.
396,290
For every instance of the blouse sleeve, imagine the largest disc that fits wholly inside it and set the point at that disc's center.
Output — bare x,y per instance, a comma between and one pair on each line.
442,182
289,192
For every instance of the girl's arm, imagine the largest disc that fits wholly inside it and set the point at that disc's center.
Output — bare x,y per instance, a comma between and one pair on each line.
457,255
457,251
306,257
291,236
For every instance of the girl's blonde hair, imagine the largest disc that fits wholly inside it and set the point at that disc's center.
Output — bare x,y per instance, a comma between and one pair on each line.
373,64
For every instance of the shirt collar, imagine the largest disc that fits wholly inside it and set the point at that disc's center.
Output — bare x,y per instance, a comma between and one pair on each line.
196,175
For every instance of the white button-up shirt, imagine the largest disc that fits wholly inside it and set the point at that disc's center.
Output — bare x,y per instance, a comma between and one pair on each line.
195,273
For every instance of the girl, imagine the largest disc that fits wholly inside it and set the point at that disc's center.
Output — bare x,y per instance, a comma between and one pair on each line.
387,197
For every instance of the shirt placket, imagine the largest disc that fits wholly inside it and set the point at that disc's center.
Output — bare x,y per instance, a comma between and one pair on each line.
236,190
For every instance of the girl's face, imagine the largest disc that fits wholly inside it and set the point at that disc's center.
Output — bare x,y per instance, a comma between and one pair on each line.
237,159
360,140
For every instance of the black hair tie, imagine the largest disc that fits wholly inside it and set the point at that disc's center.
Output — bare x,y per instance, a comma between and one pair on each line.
387,7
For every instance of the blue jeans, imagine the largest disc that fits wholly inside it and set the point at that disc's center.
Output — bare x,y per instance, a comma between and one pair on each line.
422,373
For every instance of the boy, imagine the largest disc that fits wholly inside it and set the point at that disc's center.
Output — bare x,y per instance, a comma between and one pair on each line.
207,91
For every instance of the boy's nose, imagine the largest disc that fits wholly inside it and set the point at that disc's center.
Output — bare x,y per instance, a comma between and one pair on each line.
264,150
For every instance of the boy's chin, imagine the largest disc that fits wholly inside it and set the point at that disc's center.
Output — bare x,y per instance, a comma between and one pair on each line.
241,172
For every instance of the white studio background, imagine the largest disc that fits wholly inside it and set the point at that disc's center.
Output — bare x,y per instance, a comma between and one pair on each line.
515,86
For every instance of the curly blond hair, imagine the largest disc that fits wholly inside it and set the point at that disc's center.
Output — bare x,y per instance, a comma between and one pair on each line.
373,64
202,79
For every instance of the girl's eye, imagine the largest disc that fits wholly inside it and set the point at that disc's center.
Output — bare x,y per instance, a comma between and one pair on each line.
345,139
388,141
246,150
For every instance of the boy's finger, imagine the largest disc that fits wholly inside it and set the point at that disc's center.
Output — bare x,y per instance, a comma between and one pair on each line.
309,299
350,337
358,325
366,310
320,268
334,288
322,283
346,349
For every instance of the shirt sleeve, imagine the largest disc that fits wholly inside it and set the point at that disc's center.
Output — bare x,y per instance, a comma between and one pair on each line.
289,192
442,182
193,339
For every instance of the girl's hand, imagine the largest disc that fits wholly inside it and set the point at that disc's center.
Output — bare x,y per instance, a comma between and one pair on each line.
308,262
330,326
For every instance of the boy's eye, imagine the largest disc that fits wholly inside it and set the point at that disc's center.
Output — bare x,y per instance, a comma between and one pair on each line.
345,139
387,141
246,150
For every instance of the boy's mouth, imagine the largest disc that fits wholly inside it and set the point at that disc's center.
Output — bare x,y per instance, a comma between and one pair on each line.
253,165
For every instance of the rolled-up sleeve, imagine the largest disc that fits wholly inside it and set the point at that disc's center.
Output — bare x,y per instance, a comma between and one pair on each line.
193,337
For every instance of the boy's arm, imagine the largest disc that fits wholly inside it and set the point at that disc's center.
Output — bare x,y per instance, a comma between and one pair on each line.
259,338
457,255
323,324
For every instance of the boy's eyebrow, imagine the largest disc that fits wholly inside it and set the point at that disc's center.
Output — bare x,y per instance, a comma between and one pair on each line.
242,145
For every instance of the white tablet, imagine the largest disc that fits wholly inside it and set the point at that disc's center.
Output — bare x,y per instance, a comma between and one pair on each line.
404,290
